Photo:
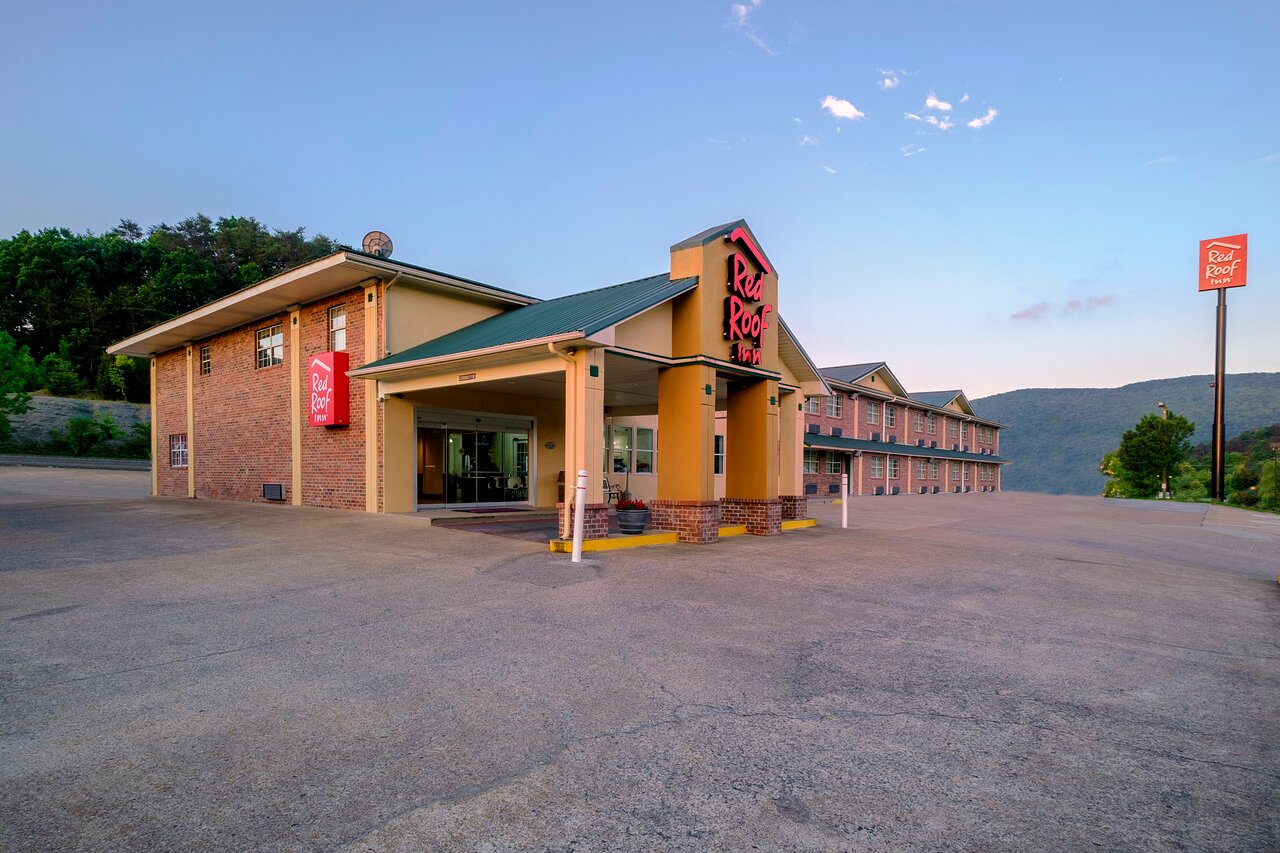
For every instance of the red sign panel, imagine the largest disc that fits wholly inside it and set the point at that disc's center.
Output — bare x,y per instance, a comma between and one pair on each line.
1223,262
744,320
328,389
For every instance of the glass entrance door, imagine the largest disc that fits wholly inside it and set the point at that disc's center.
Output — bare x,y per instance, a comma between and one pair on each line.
482,460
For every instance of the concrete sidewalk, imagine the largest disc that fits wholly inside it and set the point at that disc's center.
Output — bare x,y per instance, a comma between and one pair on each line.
1004,672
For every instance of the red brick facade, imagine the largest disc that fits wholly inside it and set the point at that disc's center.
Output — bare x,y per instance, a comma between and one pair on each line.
243,437
762,516
696,522
595,521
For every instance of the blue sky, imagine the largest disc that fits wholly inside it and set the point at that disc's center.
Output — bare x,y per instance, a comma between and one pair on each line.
551,148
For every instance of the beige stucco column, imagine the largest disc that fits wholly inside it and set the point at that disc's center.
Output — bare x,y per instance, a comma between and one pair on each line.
372,428
295,405
155,435
686,433
751,431
191,421
584,435
399,454
791,445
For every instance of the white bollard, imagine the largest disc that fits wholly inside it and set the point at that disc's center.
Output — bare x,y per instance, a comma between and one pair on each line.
844,500
579,515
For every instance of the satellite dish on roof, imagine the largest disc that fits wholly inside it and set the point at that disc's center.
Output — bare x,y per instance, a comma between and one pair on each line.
377,243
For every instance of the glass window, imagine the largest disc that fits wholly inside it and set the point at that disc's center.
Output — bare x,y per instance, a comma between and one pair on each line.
955,470
890,416
873,412
835,464
338,328
621,450
953,429
877,467
719,454
270,346
893,467
810,461
206,360
933,469
919,421
811,405
931,424
645,451
920,469
964,430
178,450
835,406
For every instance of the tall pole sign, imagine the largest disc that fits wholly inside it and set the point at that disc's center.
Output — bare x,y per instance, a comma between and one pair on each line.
1223,264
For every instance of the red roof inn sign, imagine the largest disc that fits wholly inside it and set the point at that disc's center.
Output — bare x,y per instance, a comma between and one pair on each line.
328,388
1223,262
744,322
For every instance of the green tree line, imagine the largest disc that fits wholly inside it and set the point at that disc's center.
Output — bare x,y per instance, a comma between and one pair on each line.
64,297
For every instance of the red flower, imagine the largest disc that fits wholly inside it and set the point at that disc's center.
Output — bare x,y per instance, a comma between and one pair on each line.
631,503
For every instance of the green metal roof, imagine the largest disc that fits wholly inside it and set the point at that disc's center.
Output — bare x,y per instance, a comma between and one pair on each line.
831,442
583,313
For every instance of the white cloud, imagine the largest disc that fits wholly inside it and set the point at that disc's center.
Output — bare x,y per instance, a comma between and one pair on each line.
740,19
809,140
1161,161
965,99
840,108
933,103
943,123
1270,158
889,79
912,150
985,120
797,121
830,171
911,116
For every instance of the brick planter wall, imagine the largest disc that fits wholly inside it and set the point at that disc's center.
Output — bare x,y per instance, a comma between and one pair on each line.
794,506
762,516
696,522
595,521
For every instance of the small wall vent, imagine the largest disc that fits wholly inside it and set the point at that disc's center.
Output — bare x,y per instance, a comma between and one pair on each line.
273,491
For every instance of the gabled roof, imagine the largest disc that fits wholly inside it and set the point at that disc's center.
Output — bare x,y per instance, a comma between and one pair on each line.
577,315
936,398
313,280
720,232
853,373
796,359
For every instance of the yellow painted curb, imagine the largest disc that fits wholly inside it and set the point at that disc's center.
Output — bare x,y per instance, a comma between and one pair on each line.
728,530
798,523
613,543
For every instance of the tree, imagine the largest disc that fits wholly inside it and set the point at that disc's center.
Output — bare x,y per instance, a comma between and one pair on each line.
1150,452
17,371
57,373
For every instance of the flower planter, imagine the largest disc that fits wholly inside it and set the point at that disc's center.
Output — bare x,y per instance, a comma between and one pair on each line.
633,520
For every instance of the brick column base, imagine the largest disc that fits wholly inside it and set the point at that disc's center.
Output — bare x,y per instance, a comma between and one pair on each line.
697,522
794,506
762,516
595,521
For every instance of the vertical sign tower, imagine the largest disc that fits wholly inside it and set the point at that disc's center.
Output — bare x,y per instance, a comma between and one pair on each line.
1223,264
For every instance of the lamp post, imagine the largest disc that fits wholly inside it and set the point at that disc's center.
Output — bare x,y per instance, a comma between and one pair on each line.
1164,471
1275,471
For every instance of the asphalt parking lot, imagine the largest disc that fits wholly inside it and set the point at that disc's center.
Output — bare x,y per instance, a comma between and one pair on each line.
953,672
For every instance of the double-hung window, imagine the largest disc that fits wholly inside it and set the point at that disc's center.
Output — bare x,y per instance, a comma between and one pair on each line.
206,361
877,467
270,346
338,328
931,424
919,421
811,406
890,416
933,469
953,429
873,412
835,406
835,463
893,467
646,451
178,450
719,454
811,462
920,469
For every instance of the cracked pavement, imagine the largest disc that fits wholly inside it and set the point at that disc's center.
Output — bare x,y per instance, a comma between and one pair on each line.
1006,671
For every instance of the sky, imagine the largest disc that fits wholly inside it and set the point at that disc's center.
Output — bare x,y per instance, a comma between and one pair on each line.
985,195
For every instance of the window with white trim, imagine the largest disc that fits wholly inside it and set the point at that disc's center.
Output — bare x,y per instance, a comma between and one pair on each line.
811,406
918,417
933,469
873,412
718,454
955,470
270,346
920,469
178,450
877,467
810,461
338,328
893,467
890,416
835,464
953,429
931,424
964,431
835,406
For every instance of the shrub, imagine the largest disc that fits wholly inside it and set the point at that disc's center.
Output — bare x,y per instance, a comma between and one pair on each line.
82,434
58,374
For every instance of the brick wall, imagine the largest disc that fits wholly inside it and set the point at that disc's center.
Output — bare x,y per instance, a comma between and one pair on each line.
170,419
595,520
333,457
696,522
762,516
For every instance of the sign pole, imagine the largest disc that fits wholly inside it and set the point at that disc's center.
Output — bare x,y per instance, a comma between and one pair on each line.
1217,476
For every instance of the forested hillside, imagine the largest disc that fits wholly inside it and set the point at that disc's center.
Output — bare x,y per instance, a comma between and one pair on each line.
1057,436
66,296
